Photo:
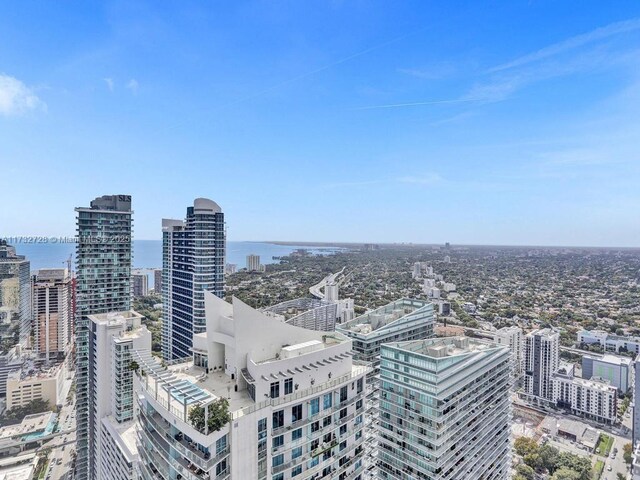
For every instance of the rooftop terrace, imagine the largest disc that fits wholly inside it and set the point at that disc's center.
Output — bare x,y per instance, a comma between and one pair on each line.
445,347
385,315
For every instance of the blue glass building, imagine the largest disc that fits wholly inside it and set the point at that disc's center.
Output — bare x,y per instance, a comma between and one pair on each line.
193,258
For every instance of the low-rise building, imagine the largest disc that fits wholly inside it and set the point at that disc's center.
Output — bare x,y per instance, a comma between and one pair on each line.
594,399
609,342
31,432
29,383
618,370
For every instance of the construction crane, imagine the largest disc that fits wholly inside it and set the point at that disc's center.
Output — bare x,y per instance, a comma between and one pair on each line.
69,262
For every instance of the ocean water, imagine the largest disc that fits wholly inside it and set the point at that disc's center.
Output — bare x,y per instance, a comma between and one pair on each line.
147,254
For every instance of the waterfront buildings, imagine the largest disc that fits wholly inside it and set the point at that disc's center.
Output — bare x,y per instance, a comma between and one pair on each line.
103,284
445,410
609,342
115,336
594,399
52,313
140,284
253,263
541,360
193,259
617,370
157,281
511,337
260,399
15,299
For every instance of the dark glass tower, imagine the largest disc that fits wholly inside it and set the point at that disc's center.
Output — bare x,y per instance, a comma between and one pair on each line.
103,269
193,256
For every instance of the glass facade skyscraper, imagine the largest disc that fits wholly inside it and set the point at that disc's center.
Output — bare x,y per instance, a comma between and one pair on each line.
193,257
445,410
103,270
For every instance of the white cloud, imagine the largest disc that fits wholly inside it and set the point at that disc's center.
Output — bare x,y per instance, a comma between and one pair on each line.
574,42
110,84
16,98
133,85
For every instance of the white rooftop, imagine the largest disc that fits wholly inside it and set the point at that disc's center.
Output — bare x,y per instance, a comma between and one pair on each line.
616,360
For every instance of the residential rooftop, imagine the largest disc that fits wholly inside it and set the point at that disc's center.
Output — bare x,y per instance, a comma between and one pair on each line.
384,316
446,347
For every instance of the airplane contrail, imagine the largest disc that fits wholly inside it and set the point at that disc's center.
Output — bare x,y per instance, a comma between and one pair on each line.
308,74
415,104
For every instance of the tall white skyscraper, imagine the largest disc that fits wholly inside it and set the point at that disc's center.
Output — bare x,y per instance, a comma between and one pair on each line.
103,285
253,263
193,260
541,360
260,399
114,336
52,312
445,410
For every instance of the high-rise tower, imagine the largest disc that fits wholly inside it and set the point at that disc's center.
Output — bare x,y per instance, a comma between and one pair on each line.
445,410
52,312
15,297
193,256
541,360
103,282
15,309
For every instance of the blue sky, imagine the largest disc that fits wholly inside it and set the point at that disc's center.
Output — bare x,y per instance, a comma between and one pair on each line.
495,123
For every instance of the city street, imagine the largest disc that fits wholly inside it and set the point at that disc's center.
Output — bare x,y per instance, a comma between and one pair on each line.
60,458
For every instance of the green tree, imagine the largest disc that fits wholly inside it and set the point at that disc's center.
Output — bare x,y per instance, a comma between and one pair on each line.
525,446
219,414
196,417
549,457
533,460
628,453
526,472
580,465
564,473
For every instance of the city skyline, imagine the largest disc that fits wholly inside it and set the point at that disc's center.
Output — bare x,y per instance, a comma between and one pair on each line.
518,135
